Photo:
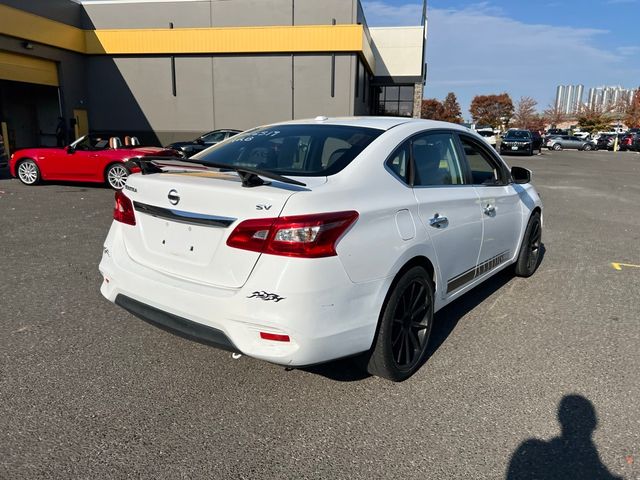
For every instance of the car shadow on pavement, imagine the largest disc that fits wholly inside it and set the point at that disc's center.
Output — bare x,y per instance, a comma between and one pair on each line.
570,455
5,174
445,321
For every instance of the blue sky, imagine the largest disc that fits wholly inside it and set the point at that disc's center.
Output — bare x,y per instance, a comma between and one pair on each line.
521,47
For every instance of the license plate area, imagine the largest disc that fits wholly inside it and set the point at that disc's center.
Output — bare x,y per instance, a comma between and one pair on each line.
514,148
194,244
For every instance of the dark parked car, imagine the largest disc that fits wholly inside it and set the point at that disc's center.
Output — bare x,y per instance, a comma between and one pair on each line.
561,142
607,141
4,160
556,131
203,141
518,141
630,141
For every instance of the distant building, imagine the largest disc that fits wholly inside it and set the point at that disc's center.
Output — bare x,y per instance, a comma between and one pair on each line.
569,98
608,98
168,70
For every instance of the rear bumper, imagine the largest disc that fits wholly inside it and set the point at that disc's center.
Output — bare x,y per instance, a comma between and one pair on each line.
325,315
181,326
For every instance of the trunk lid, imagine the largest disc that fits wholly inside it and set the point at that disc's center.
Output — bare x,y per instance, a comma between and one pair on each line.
183,220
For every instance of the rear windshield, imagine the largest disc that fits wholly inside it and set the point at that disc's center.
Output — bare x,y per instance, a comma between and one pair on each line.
518,134
295,150
485,133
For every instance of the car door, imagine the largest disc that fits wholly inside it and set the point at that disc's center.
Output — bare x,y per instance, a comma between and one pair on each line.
499,202
448,207
84,163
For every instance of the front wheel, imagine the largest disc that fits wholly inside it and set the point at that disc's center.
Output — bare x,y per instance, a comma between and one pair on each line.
400,345
28,172
529,256
116,176
557,147
587,148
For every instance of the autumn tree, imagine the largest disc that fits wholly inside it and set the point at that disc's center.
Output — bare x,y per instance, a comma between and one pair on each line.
593,119
632,114
493,110
525,113
432,109
452,112
554,116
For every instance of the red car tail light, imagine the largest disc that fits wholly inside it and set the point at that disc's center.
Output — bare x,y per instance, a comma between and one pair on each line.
123,209
304,236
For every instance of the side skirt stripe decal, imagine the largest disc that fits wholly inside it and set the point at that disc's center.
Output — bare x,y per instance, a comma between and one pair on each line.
473,273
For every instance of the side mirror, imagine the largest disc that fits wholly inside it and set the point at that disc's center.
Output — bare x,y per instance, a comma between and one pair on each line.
520,175
70,149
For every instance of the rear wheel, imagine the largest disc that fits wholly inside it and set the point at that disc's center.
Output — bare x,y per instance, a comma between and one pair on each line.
529,256
116,176
557,147
588,148
401,343
28,172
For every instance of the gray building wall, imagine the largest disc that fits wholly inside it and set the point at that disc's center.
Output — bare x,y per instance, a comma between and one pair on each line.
64,11
220,13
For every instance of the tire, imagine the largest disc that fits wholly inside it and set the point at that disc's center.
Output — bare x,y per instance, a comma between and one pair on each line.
400,346
588,148
557,147
115,176
28,172
529,256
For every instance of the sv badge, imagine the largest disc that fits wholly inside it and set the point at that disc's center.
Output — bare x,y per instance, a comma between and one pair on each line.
263,206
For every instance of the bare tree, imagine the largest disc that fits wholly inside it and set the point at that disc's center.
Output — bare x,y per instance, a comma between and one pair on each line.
525,113
554,115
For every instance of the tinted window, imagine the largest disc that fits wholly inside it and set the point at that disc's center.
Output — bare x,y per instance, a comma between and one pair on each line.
483,168
485,134
518,135
303,150
436,160
399,162
213,137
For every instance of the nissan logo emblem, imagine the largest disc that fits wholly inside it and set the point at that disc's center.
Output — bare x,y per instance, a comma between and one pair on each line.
173,197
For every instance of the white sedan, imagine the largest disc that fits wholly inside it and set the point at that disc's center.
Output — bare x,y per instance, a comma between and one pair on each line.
307,241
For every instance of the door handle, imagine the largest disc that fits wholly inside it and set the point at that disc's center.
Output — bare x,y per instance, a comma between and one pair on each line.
489,210
438,221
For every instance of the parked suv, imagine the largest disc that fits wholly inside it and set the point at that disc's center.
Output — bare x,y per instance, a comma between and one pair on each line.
561,142
517,141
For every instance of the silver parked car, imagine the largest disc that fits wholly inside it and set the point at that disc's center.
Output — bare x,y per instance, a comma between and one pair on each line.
560,142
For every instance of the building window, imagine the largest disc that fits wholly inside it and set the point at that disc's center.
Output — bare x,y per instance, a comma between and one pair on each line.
395,100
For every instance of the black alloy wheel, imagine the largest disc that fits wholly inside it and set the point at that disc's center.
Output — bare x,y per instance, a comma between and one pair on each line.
403,335
529,256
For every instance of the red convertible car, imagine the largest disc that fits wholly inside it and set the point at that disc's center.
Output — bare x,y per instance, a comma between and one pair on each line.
92,158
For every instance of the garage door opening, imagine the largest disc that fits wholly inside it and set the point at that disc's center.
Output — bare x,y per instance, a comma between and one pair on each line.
29,102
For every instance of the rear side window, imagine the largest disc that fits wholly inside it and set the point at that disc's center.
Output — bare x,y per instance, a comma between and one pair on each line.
436,161
484,170
398,163
295,150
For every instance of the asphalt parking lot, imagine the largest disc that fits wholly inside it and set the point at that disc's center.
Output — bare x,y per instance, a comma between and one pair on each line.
88,391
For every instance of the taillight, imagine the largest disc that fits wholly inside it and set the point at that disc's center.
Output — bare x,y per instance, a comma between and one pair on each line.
123,209
306,236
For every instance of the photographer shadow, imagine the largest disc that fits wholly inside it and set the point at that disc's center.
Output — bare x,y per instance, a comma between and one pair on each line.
571,455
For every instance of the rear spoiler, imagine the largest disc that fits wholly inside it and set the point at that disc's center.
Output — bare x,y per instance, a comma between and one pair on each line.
250,176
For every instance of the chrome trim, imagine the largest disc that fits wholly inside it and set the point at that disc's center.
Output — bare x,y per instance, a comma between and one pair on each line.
181,216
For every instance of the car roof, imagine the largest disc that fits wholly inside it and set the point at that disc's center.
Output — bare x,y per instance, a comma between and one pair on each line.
380,123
